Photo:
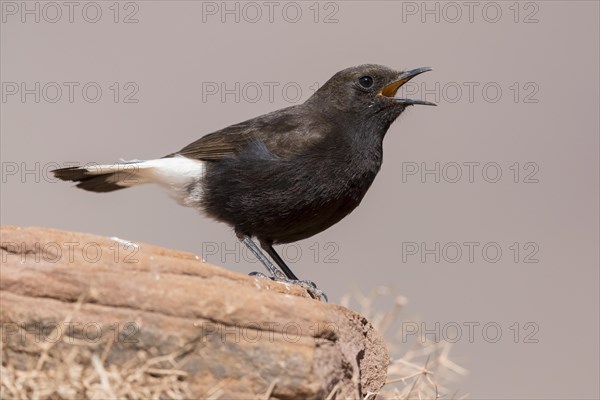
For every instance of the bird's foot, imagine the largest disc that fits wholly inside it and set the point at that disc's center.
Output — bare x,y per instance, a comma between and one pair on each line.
259,275
309,286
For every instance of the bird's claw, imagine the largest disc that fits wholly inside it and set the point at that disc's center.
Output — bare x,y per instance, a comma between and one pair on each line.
312,289
309,286
259,275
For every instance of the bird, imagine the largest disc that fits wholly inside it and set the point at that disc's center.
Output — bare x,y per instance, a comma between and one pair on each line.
283,176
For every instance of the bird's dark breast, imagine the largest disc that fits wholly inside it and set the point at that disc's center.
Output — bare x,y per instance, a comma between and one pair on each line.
282,201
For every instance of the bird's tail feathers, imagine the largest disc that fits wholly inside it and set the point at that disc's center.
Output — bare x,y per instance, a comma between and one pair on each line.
104,178
175,173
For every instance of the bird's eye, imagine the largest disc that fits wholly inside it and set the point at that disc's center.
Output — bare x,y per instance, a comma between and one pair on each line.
365,81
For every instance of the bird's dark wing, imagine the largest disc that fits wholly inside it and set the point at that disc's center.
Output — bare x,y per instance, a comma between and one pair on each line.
284,133
217,145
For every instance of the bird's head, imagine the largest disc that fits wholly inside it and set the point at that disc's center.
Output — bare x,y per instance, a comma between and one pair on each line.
368,91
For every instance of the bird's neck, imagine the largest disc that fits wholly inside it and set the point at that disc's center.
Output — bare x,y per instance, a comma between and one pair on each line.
357,139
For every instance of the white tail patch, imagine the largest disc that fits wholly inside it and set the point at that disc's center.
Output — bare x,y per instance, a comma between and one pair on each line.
173,173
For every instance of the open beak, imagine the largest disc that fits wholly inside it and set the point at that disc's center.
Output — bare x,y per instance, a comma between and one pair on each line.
391,89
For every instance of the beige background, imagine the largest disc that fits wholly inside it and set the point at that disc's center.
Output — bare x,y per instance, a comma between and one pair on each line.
170,53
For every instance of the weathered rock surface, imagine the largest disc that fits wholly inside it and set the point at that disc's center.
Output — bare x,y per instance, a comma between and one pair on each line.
244,336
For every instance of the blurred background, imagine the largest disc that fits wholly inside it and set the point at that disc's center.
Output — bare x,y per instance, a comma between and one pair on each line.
484,215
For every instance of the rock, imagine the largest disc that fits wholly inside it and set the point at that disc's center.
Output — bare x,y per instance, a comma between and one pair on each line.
214,332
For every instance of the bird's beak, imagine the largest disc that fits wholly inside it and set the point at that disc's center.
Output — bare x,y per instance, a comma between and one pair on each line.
391,89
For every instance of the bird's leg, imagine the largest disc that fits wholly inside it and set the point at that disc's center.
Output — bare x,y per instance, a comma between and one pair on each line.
261,257
279,261
287,276
310,286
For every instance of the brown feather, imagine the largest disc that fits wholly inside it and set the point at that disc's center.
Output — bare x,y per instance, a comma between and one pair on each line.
284,133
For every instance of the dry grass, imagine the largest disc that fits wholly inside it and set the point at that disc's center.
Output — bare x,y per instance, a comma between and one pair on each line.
417,371
80,373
